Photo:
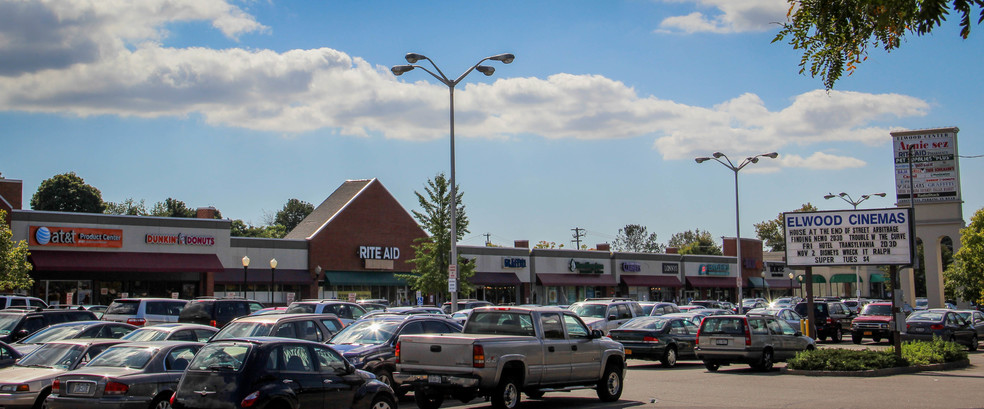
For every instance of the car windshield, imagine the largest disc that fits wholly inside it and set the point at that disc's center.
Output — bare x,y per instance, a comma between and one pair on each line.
123,357
145,334
875,309
922,303
60,356
220,357
300,309
244,329
926,316
590,310
53,334
123,307
8,322
366,332
645,323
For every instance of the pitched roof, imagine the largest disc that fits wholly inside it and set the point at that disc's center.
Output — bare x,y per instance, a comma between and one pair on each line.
327,210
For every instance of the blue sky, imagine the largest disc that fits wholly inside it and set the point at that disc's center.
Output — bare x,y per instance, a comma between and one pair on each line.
244,105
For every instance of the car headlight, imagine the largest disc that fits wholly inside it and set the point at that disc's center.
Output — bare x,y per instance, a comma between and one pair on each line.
23,387
355,360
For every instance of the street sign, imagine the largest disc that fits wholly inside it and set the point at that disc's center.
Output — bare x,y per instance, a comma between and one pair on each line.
851,237
453,272
452,286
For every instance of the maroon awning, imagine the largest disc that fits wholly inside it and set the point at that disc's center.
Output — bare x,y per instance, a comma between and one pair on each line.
712,282
495,279
781,283
652,281
262,276
575,280
44,260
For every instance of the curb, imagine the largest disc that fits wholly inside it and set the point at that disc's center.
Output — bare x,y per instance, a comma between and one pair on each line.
882,372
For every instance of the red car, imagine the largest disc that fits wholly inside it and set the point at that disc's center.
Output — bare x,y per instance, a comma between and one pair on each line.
875,322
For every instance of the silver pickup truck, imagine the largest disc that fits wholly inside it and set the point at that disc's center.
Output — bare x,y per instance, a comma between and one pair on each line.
505,351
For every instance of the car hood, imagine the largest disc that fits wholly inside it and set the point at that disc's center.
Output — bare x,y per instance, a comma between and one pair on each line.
354,349
24,374
873,318
594,323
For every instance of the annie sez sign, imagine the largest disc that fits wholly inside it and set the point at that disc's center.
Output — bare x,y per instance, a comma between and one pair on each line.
857,237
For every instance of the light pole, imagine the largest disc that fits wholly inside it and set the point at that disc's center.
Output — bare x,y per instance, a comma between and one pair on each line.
790,275
728,164
398,70
273,270
245,267
847,198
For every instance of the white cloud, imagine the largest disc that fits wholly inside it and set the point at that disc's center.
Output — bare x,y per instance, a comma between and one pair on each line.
728,16
129,73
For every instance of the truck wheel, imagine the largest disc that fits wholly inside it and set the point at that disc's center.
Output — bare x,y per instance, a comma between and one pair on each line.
506,395
610,387
837,336
382,401
712,366
428,400
876,339
856,337
669,358
536,394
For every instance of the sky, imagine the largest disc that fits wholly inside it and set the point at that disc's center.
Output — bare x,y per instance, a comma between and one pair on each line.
242,105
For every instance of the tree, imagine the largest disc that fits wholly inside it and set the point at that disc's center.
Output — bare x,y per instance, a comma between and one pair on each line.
633,238
965,276
543,244
695,242
14,268
432,254
172,208
835,35
127,207
293,212
772,233
240,228
67,192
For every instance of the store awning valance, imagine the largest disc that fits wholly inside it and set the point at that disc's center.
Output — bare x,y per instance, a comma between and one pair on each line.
262,276
575,280
504,279
781,283
119,261
652,281
712,282
844,278
817,279
879,278
756,282
367,278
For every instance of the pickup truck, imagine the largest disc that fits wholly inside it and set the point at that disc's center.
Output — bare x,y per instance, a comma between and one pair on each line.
505,351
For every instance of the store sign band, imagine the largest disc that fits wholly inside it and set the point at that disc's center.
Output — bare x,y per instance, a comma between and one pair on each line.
75,237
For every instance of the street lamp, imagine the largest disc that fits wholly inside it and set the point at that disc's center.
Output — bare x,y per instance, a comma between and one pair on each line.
790,275
245,267
847,198
398,70
273,270
728,164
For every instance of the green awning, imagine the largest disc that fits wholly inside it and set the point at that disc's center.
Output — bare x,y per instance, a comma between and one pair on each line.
378,278
817,279
756,282
844,278
879,278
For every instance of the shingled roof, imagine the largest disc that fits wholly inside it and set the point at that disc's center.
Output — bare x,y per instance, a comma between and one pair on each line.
327,210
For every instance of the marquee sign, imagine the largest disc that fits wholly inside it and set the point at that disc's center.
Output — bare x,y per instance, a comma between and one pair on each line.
858,237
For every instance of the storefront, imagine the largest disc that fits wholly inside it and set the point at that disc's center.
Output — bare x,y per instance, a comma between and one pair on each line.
710,278
649,277
502,274
564,277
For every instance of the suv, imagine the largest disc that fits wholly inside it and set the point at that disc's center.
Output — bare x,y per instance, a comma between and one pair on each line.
17,324
20,301
217,312
312,327
875,322
144,311
659,308
758,340
465,305
344,310
606,313
833,319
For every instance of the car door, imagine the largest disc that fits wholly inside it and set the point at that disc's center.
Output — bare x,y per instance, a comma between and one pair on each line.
297,370
978,322
685,336
781,343
585,351
340,381
556,350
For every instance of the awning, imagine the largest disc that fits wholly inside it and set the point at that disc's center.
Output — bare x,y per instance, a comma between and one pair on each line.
756,282
262,276
844,278
652,281
376,278
879,278
575,280
712,282
781,283
492,279
119,261
817,279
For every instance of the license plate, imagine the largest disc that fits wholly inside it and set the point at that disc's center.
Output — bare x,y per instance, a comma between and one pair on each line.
628,351
720,342
918,329
80,388
434,379
867,333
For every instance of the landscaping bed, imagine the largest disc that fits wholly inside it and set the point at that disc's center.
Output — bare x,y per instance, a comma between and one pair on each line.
916,356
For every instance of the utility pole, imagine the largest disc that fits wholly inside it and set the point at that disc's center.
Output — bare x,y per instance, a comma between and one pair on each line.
578,233
488,239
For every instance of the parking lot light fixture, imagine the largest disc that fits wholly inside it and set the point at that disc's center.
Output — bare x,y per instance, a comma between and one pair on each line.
245,267
273,270
847,198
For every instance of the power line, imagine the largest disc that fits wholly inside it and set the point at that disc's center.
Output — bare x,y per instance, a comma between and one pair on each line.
578,233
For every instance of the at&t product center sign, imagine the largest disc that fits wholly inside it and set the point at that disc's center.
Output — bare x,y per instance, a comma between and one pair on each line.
857,237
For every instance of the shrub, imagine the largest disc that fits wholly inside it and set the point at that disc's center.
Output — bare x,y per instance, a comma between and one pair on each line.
844,360
936,351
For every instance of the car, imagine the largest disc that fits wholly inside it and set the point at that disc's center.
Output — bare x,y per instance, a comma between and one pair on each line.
976,319
757,340
281,373
345,311
8,355
465,304
833,319
659,308
269,310
694,316
941,323
875,322
690,307
144,311
16,324
661,338
784,302
312,327
921,304
28,383
749,305
854,305
369,344
20,301
217,312
172,332
72,330
373,305
461,316
706,303
606,314
130,375
786,314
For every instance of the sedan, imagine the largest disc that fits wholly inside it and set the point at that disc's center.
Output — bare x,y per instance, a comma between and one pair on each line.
975,319
73,330
924,325
786,314
695,316
28,382
657,338
172,332
131,375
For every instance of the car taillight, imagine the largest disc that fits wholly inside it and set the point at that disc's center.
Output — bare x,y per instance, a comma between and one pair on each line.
830,320
173,395
115,388
396,351
748,334
55,386
936,327
478,356
250,399
650,339
213,323
136,321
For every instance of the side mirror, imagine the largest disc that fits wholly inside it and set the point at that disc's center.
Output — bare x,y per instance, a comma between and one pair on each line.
596,333
798,334
612,317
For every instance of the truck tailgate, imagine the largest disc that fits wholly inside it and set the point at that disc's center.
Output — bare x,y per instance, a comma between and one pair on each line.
443,353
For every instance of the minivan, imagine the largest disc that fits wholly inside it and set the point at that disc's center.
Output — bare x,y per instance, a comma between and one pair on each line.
144,311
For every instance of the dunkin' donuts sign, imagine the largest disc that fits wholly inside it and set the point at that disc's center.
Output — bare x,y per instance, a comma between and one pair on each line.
75,237
180,239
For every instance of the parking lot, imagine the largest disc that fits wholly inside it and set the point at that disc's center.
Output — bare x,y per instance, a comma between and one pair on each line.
690,385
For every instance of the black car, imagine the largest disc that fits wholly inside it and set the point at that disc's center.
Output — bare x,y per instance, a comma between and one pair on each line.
312,327
369,343
267,373
948,325
661,338
17,324
217,312
833,319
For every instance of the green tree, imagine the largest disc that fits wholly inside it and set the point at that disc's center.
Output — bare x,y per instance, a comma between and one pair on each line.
14,267
834,36
127,207
293,212
543,244
695,242
772,233
67,192
965,276
432,254
172,208
634,238
240,228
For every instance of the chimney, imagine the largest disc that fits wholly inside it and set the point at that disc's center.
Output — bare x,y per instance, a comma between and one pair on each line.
603,247
205,213
521,244
672,250
10,196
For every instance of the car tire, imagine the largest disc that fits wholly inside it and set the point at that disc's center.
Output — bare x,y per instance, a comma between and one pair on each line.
669,358
535,394
876,339
856,337
385,377
40,403
837,336
767,361
611,384
506,395
428,399
382,401
712,366
973,343
161,402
